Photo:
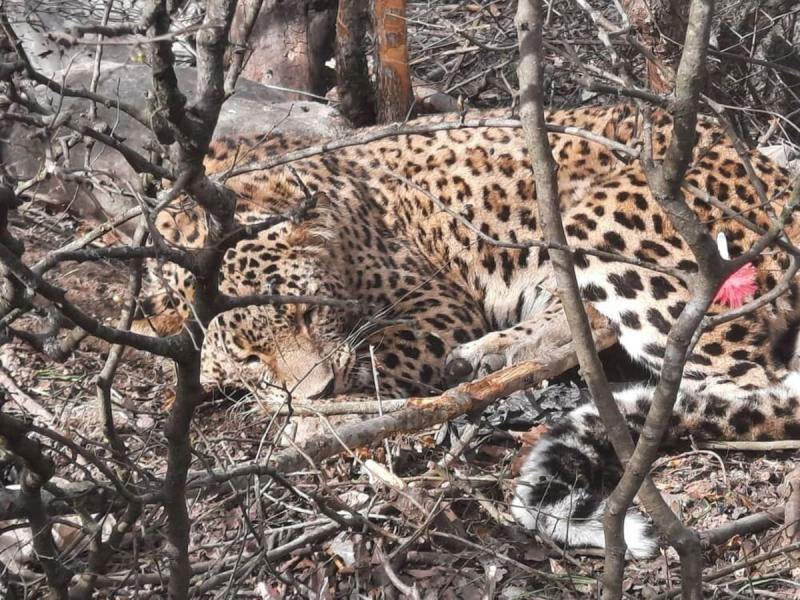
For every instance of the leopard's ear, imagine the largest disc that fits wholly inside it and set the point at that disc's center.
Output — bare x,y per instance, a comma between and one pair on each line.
183,223
158,314
316,227
319,206
163,304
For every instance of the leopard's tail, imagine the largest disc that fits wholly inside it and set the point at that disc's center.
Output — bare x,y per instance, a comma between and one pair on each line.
562,488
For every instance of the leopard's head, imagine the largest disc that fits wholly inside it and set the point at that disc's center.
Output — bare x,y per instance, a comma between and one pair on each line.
305,348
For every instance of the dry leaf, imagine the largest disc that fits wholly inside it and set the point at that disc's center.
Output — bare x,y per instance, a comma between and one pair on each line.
700,489
532,436
343,547
535,553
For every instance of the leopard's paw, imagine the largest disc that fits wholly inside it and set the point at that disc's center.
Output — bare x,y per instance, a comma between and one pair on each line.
475,359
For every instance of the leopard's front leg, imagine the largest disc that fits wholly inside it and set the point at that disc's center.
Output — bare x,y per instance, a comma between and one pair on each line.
535,338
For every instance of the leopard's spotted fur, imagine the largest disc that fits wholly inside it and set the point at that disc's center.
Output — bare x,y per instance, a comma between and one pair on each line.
440,289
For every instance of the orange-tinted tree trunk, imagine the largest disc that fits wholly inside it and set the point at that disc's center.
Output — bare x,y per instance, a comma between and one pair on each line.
393,76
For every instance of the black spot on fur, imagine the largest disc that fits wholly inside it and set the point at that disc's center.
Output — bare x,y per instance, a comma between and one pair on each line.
699,359
740,369
435,345
658,224
630,222
543,257
661,287
593,293
744,419
736,333
786,410
507,265
631,319
518,309
654,247
576,231
791,431
562,428
657,320
546,492
676,309
614,240
675,241
627,284
522,258
656,350
586,506
461,336
489,263
709,430
784,347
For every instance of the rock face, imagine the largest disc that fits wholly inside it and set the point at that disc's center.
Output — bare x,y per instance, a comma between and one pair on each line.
252,109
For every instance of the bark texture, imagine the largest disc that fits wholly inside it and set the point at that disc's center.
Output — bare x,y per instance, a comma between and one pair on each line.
660,25
352,73
289,43
395,96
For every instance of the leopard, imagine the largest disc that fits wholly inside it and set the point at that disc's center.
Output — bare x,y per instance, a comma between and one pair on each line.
426,248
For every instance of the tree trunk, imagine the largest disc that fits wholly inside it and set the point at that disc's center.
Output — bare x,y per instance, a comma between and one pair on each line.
395,96
659,24
289,44
352,74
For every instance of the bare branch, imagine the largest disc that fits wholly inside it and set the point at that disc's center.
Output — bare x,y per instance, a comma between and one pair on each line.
138,162
37,470
162,347
529,22
744,526
665,183
106,376
398,129
418,414
55,87
250,9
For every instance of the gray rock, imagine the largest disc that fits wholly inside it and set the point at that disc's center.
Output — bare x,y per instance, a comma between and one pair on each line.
252,109
35,21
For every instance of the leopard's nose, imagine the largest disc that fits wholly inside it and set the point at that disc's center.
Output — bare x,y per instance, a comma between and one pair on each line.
457,370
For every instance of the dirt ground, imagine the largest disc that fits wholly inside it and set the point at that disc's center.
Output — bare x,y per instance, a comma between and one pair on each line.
469,548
